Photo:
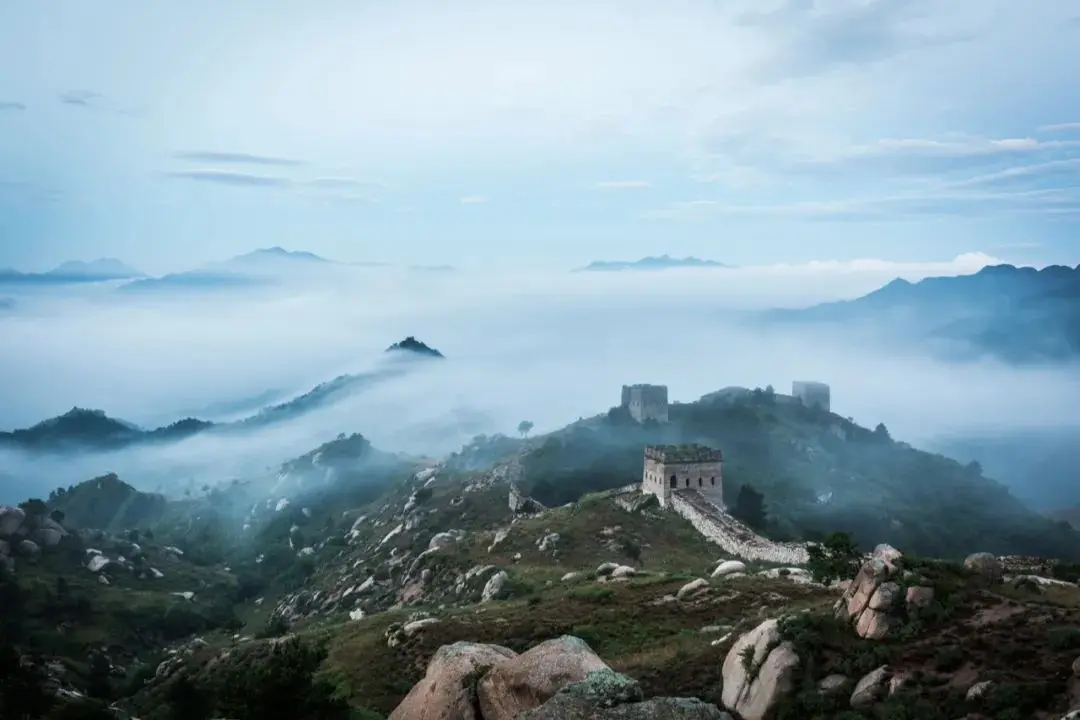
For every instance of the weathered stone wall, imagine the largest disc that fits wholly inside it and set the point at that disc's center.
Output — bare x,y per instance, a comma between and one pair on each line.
812,393
661,478
646,402
653,480
730,534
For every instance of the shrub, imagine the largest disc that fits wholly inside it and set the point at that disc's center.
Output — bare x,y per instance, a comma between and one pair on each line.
837,557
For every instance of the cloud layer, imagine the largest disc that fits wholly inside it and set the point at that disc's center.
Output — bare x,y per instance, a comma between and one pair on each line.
540,347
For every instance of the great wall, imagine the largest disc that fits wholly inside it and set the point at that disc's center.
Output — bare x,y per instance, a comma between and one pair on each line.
717,526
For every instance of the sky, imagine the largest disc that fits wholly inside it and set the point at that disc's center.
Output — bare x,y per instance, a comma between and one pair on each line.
487,134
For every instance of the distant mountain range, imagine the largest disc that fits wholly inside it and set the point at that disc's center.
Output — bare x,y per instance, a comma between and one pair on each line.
73,271
82,429
254,269
1017,314
663,262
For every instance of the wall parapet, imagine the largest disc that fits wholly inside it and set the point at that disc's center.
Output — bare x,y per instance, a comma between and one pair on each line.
733,536
683,454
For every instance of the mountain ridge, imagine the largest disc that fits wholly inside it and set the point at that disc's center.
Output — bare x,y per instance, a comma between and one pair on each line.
92,429
73,272
1021,315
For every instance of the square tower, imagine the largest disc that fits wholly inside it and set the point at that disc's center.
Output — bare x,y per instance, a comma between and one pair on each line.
683,467
646,402
812,393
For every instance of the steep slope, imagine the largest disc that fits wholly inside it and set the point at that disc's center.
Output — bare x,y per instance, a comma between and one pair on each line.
818,472
1018,314
382,561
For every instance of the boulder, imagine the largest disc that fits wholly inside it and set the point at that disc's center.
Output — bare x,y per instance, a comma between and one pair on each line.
49,532
758,670
528,680
871,688
987,566
448,689
11,519
494,586
979,689
728,567
693,589
918,597
29,548
872,597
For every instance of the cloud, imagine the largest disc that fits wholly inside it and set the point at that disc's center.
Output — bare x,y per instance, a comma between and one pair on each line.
622,185
810,38
1061,127
237,158
339,183
11,106
520,345
474,200
229,177
81,98
1048,202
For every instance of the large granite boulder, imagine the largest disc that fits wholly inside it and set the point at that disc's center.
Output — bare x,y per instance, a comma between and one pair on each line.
872,596
11,519
986,566
528,680
758,670
448,689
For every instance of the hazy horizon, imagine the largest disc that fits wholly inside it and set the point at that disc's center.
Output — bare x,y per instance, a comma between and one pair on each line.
545,347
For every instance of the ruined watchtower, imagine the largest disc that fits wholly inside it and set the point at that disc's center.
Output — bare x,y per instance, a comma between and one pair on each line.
646,402
675,467
812,393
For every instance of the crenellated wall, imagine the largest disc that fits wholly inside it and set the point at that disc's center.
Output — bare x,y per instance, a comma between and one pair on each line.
733,536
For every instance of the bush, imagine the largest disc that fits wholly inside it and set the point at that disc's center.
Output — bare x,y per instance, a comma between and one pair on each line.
282,683
837,557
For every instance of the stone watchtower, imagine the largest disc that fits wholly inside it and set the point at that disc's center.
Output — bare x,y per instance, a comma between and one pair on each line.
812,393
646,402
676,467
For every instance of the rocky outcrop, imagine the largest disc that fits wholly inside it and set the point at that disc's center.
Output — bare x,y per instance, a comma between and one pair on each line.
758,670
530,679
448,689
733,536
561,679
986,566
874,602
11,519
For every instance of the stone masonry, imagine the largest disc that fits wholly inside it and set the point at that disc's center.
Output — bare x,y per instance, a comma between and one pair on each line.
646,402
671,467
733,536
812,393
